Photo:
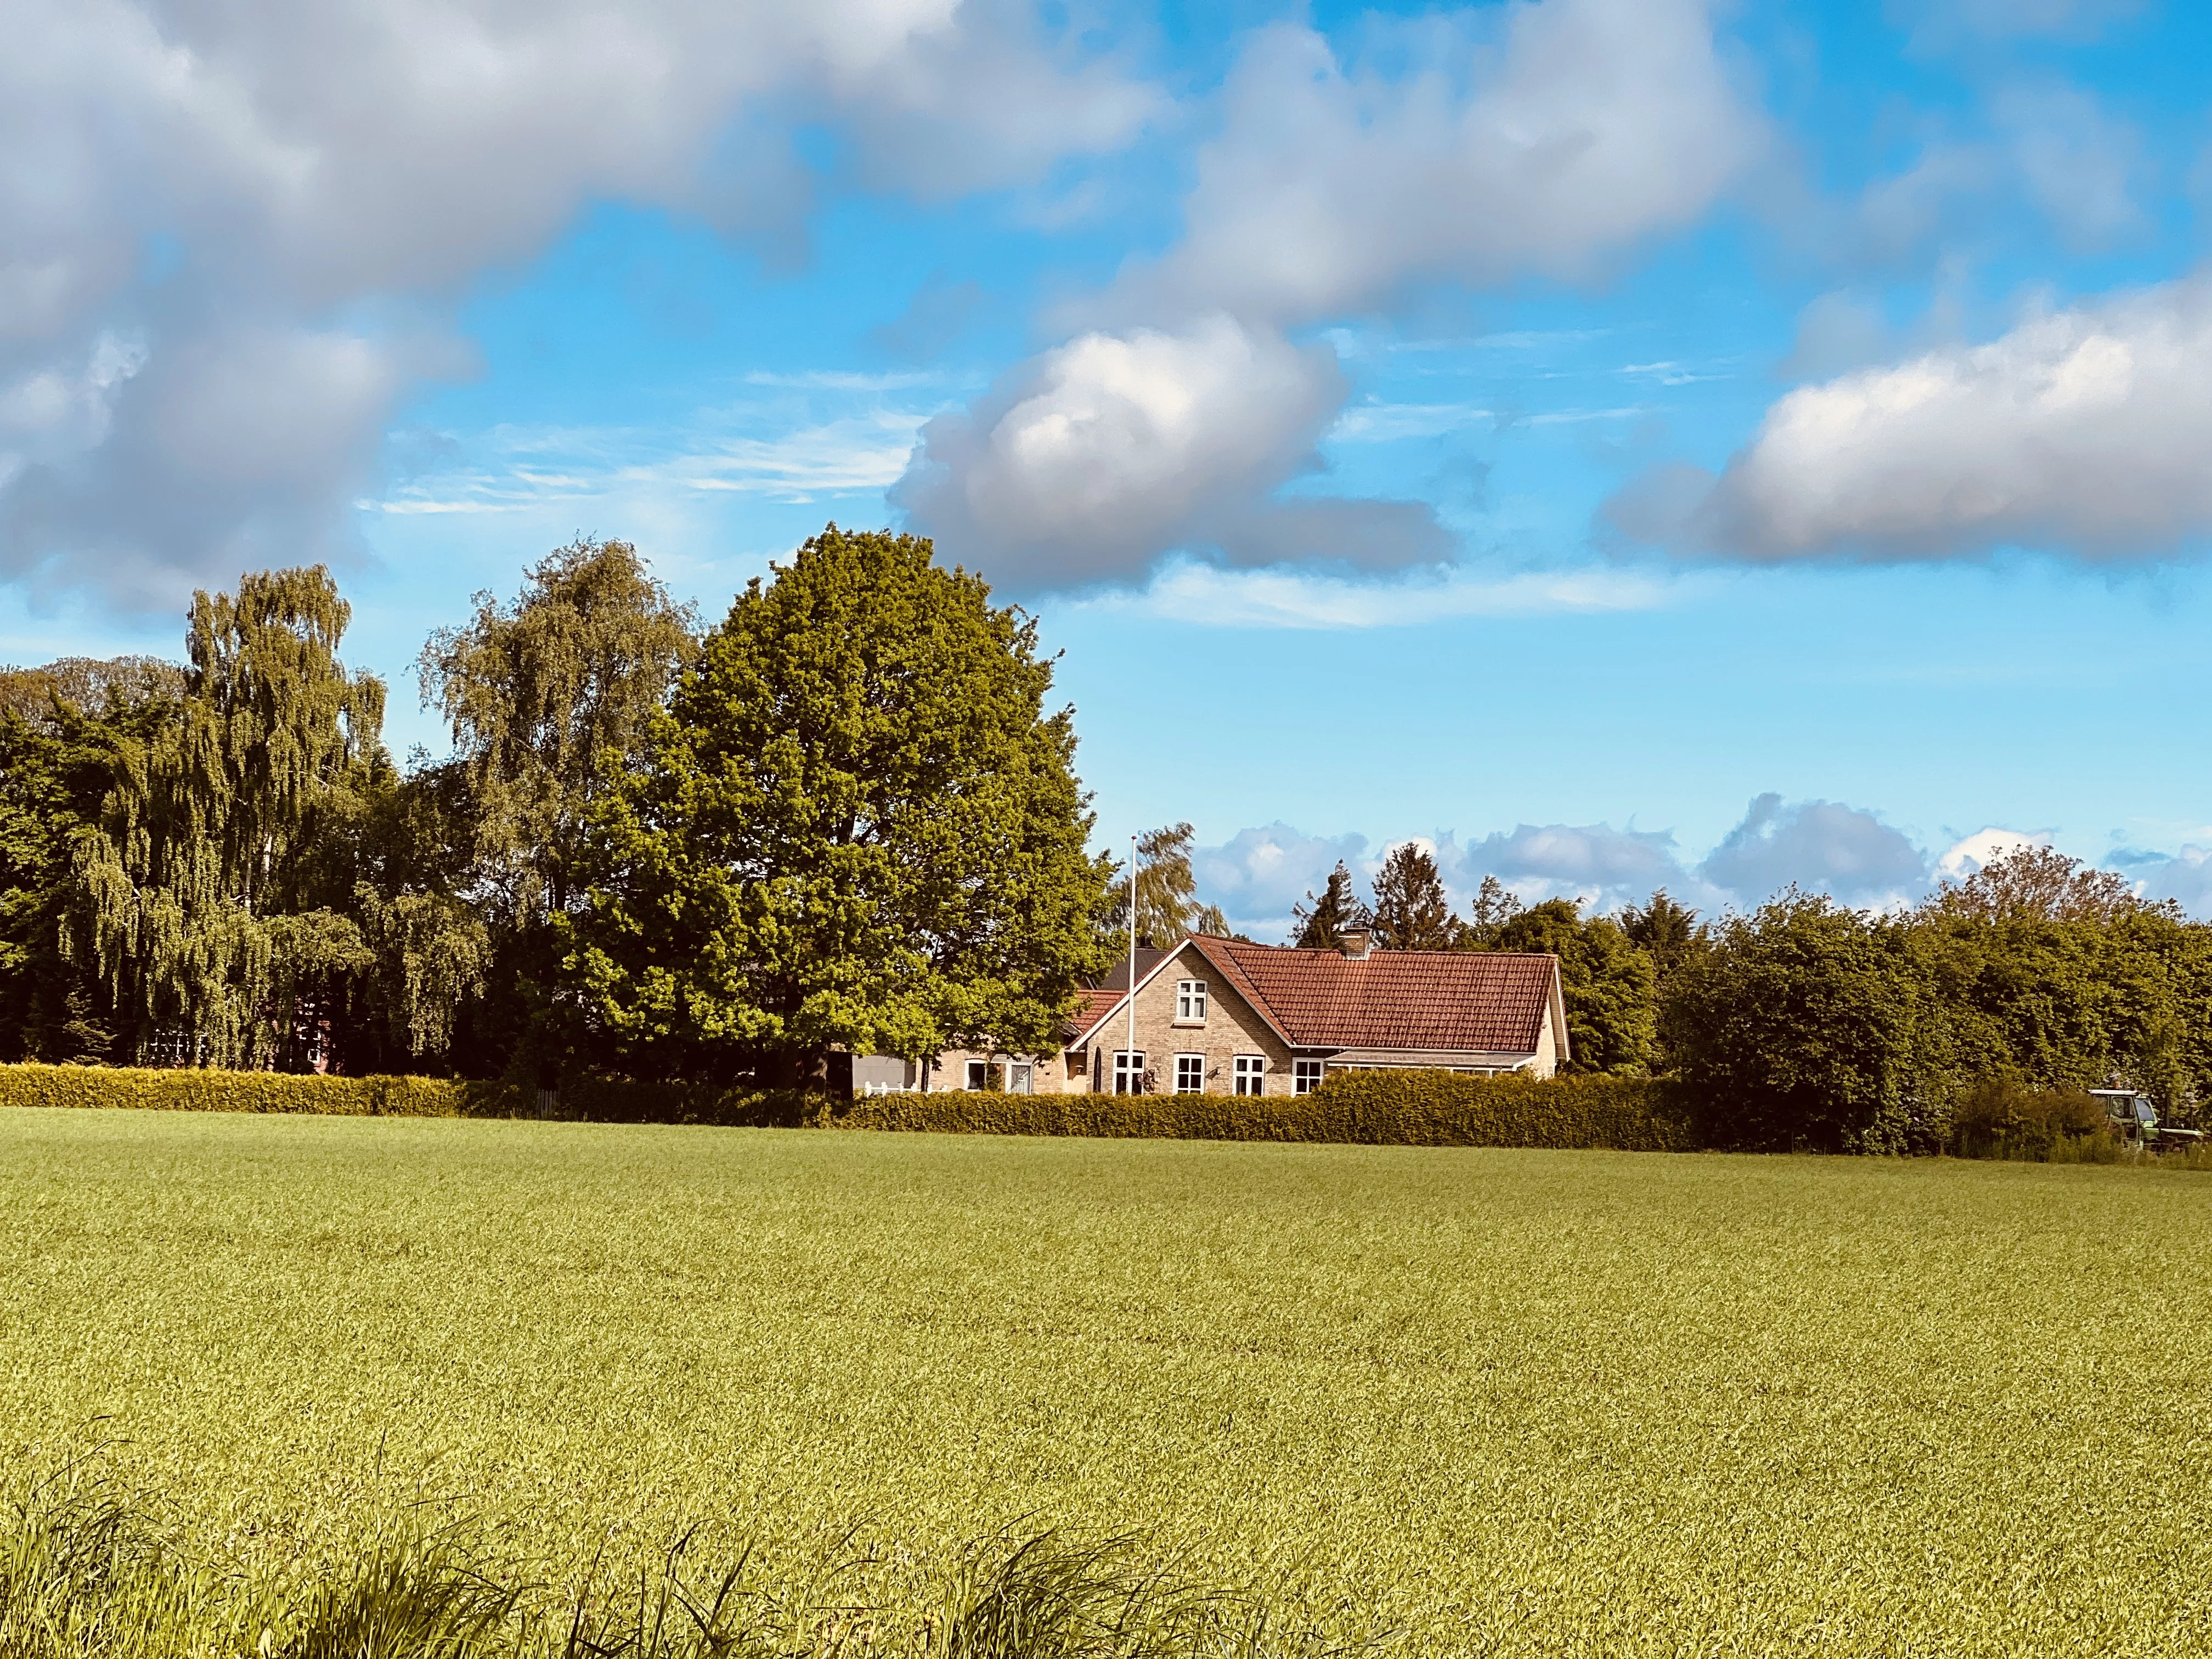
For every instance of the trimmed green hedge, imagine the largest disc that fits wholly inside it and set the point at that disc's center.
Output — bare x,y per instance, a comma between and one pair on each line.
191,1091
1410,1108
1405,1109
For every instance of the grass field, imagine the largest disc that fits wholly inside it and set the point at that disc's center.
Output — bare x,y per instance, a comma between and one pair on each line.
1496,1402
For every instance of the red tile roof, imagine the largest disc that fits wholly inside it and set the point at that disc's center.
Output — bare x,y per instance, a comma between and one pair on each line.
1090,1004
1458,1001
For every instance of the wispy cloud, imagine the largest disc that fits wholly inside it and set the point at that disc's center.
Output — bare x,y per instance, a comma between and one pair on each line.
513,469
836,379
1291,599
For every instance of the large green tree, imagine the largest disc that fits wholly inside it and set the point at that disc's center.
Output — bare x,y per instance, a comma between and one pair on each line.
1606,981
856,827
549,696
241,811
1810,1024
65,731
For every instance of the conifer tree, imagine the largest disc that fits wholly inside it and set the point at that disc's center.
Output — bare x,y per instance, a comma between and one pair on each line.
1322,922
1412,912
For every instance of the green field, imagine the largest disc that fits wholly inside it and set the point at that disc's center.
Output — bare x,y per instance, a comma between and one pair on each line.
1498,1402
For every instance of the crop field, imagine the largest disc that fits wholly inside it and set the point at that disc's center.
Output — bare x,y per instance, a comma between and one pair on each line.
1442,1400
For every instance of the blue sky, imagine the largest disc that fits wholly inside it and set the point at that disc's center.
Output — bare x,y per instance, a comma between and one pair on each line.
1620,441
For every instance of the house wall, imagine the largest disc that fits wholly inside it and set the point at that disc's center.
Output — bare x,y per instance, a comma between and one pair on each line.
1547,1062
1230,1028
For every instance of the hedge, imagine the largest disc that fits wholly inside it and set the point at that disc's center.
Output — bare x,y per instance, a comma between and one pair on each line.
1410,1108
191,1091
1403,1108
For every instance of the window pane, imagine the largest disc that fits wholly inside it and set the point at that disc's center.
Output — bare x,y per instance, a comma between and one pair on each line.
1190,1074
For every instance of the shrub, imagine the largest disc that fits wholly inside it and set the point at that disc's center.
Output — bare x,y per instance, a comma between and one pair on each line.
1409,1107
194,1090
1998,1117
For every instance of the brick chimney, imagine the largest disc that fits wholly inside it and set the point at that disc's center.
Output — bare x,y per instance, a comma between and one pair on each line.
1357,943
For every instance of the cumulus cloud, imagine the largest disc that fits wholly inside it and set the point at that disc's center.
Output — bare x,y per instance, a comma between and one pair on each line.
2186,878
2083,431
1821,845
1090,461
1259,876
1984,846
186,180
1541,142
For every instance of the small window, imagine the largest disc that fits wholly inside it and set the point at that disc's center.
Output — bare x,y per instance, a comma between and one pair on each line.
1251,1074
1305,1076
1021,1077
979,1075
1128,1071
1190,999
1190,1074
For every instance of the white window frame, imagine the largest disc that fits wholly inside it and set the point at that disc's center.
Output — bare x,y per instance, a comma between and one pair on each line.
1128,1071
1190,1002
976,1076
1021,1076
1250,1073
1192,1066
1306,1076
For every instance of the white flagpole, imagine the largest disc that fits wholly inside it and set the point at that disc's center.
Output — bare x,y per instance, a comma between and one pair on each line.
1132,1054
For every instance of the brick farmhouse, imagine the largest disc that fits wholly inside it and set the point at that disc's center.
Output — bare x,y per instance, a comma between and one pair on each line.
1219,1015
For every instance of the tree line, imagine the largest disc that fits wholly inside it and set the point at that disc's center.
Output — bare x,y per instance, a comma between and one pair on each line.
843,818
847,817
1806,1023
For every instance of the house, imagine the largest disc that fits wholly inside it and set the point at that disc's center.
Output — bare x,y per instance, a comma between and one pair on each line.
1219,1016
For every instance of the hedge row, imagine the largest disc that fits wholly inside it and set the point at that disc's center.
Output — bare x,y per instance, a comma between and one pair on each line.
1402,1109
1410,1108
250,1091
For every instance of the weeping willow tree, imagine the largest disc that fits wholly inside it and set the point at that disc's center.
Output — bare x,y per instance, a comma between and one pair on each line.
207,884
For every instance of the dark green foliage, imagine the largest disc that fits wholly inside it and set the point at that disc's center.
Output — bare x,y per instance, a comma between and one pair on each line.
856,826
1608,983
1322,922
1807,1025
1411,910
1999,1118
1663,930
1401,1108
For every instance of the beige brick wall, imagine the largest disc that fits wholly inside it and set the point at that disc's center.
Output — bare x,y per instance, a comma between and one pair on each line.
1230,1028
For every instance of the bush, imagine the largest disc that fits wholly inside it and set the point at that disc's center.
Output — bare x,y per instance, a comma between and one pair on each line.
1407,1109
2000,1118
192,1091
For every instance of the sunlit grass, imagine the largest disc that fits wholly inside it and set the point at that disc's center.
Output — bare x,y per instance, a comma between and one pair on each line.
1491,1401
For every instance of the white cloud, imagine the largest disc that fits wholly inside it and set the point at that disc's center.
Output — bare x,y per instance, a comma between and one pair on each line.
1544,142
1211,596
1821,845
192,177
1259,876
1970,853
2186,878
2083,431
1089,462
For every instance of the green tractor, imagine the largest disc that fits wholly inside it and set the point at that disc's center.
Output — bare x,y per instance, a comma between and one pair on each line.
2135,1120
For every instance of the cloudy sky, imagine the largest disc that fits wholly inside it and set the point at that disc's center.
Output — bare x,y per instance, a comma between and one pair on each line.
1621,442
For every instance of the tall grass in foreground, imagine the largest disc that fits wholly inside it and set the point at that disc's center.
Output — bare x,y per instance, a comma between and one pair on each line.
86,1574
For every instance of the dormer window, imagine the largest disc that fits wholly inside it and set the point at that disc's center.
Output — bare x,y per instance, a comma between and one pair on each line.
1190,1000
